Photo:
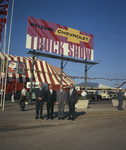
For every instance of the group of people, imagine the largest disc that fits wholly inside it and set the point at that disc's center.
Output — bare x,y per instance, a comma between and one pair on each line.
50,97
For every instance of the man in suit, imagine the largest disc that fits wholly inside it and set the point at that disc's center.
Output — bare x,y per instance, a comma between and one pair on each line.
120,99
50,98
61,100
40,93
72,99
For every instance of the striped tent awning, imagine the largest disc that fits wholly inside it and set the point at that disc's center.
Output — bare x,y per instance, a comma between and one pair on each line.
43,72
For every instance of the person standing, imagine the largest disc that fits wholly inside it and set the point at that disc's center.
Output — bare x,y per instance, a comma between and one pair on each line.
120,99
84,94
23,98
125,94
12,97
40,93
72,99
50,99
61,100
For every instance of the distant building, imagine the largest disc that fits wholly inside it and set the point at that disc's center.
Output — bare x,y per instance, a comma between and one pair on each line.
96,88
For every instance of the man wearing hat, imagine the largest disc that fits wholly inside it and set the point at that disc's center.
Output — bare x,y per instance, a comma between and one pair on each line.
23,98
120,99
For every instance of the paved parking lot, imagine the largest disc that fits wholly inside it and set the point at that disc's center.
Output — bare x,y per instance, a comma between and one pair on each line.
101,126
13,118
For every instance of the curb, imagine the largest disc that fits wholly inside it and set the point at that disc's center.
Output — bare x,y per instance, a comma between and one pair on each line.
17,127
30,127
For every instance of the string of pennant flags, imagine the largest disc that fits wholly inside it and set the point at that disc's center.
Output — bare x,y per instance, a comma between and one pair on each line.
19,67
72,76
76,77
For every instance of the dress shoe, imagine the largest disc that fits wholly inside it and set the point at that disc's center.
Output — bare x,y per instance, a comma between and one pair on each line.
52,118
41,118
69,118
36,117
58,118
72,119
47,118
63,118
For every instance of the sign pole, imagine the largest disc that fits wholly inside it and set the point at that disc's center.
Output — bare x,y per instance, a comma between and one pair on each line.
61,70
85,76
33,62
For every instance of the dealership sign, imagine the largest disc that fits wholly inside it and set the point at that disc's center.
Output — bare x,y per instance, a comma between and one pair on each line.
57,39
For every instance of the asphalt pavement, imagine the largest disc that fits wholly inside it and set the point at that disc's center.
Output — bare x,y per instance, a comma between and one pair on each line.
14,119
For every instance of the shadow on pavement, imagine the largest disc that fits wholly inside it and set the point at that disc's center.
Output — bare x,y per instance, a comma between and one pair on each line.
79,114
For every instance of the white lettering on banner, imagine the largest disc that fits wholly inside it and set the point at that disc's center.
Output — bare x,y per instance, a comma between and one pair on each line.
35,42
58,47
28,41
70,49
40,43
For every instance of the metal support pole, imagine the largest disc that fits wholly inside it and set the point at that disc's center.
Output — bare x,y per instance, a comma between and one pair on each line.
5,84
85,77
61,70
33,61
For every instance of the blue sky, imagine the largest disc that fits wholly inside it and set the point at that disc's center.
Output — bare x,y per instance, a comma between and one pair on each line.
105,19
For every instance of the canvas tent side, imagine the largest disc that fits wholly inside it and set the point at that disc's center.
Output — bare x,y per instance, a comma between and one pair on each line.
43,72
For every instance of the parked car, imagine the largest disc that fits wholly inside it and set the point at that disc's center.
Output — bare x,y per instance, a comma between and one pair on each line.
32,95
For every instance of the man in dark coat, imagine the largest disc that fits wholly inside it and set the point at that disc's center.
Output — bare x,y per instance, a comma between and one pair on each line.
50,98
40,94
72,99
120,99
